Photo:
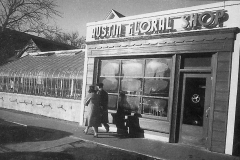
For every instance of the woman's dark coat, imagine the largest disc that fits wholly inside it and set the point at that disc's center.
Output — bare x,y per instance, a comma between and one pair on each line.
104,105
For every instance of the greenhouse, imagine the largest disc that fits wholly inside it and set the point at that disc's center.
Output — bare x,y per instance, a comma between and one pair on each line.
52,74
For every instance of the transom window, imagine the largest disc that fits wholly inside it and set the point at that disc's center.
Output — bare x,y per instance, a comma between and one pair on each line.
145,83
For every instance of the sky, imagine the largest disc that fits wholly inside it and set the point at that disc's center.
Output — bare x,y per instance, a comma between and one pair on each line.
75,14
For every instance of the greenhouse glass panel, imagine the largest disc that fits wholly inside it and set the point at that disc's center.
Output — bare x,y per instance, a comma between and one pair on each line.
78,89
59,87
11,84
31,86
1,83
38,87
20,85
54,87
45,86
49,87
15,90
39,84
67,88
24,85
5,87
54,74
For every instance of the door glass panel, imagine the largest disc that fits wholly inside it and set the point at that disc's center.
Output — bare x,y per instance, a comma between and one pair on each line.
131,85
160,67
156,107
132,68
194,101
156,87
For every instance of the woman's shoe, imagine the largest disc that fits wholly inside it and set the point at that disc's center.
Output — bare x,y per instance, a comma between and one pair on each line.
95,136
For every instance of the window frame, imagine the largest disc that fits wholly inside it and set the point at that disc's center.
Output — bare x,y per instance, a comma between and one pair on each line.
140,108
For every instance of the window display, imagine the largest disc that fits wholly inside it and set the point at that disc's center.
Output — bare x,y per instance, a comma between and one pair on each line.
144,81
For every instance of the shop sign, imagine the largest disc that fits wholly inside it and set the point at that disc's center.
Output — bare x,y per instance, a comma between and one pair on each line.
159,25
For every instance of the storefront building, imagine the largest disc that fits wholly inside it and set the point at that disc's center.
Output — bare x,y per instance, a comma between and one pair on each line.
179,70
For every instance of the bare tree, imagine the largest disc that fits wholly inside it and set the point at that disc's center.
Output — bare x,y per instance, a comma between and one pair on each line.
72,38
27,15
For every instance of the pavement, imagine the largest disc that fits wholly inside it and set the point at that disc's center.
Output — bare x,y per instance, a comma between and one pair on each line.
49,138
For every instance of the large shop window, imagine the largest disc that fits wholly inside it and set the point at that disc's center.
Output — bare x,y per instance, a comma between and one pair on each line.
145,82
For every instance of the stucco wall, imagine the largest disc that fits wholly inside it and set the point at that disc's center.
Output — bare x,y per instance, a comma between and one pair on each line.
65,109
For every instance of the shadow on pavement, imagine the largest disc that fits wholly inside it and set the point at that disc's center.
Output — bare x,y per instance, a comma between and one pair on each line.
76,151
90,151
14,133
36,156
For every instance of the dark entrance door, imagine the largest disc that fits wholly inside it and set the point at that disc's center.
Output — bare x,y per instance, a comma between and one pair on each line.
196,97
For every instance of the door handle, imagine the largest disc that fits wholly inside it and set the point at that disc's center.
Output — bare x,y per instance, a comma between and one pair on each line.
207,112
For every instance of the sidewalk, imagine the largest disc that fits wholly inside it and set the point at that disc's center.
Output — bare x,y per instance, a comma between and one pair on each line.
142,146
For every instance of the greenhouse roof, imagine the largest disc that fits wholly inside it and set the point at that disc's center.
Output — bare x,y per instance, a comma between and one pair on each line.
54,64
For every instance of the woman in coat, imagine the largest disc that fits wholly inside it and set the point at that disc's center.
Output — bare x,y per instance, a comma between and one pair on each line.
93,118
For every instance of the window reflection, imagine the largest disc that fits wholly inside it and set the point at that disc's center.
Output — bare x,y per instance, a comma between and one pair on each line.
112,102
138,79
132,103
131,85
158,67
132,67
110,68
156,87
156,107
110,84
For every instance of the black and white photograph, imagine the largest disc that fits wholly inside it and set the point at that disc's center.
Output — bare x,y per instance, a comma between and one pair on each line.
119,80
